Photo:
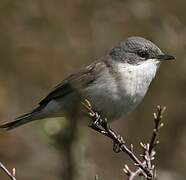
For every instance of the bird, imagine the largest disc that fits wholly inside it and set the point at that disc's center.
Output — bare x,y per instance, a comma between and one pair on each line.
114,84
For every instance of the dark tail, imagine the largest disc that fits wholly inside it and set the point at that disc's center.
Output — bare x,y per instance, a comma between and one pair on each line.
26,118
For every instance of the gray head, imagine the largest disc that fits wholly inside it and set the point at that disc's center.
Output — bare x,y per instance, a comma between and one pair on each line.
137,50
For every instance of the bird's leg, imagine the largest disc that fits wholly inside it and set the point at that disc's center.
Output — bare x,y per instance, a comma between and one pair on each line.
95,116
96,124
107,131
117,145
101,125
98,120
117,139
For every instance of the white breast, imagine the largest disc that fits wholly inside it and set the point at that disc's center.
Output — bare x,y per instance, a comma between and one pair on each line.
115,95
135,79
134,82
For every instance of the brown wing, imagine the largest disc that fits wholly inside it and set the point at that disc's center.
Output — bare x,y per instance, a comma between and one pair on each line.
60,90
75,81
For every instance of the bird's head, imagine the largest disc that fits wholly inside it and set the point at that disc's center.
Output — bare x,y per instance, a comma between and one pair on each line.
137,50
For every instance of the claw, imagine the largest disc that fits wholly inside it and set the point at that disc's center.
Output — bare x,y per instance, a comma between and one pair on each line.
117,146
99,122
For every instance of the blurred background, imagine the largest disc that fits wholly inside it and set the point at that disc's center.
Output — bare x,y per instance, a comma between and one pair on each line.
42,42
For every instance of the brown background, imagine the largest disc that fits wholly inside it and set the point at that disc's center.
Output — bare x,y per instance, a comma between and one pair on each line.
41,42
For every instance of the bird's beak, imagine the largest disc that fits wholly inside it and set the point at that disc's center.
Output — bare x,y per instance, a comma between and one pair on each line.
163,57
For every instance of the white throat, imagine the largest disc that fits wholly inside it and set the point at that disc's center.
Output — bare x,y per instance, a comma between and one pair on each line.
137,78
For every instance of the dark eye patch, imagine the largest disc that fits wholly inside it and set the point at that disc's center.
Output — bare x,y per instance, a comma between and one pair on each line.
143,54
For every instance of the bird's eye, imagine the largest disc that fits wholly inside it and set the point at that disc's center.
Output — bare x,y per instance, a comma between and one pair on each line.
143,54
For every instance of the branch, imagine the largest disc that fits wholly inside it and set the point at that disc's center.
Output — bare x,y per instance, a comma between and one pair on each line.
145,167
158,125
9,174
130,174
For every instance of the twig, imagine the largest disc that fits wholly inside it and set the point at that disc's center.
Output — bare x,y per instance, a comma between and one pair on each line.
9,174
149,152
130,174
158,125
145,167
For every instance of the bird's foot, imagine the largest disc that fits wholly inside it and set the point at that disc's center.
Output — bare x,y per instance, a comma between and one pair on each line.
98,121
101,125
118,140
117,144
97,125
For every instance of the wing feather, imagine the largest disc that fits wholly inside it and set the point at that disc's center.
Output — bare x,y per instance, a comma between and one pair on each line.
75,82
